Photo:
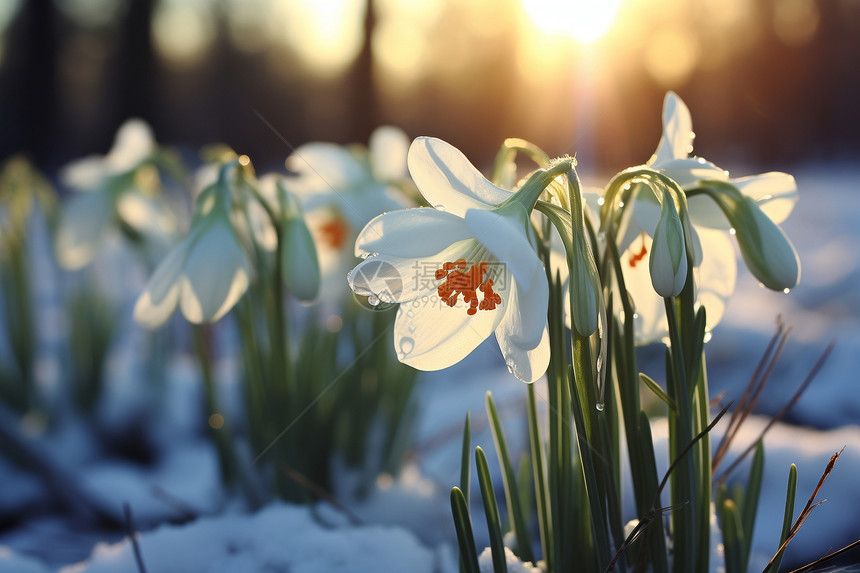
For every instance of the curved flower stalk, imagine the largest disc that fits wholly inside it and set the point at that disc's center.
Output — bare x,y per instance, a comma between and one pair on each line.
772,195
206,273
341,189
462,270
118,187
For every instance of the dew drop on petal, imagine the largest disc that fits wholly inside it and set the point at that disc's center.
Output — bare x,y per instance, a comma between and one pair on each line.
510,364
600,407
365,255
601,201
635,316
439,207
620,204
732,231
786,290
372,300
407,345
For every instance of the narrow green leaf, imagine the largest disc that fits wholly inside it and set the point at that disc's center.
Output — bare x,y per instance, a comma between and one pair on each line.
491,511
733,537
751,496
465,537
465,467
658,391
512,496
537,456
790,493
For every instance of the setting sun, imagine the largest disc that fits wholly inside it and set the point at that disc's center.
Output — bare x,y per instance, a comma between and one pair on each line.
585,21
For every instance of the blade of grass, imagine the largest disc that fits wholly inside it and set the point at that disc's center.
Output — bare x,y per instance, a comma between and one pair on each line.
658,391
515,508
465,537
751,496
790,494
539,478
491,512
733,536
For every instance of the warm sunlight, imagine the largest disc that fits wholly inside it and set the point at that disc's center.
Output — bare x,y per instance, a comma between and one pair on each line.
585,21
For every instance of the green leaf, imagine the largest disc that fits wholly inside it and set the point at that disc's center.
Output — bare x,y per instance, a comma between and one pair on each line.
465,537
465,467
537,456
790,493
491,511
512,497
733,538
751,496
658,391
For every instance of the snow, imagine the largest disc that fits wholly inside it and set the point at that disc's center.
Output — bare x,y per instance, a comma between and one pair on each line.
278,538
513,563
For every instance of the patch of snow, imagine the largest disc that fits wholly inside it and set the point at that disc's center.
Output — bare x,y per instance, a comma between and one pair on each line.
278,538
514,565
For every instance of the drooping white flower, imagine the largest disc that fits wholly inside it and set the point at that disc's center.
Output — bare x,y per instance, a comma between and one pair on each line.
461,271
108,191
341,189
668,261
205,274
715,262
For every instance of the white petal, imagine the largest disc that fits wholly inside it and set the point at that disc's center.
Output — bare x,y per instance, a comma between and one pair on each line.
84,174
82,226
324,167
161,293
448,180
388,147
527,365
650,323
677,139
687,172
705,213
506,239
430,335
134,142
145,214
215,275
411,233
775,193
522,334
646,210
715,277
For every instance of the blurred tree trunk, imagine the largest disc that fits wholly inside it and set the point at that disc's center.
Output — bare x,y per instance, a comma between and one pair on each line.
366,114
37,77
137,89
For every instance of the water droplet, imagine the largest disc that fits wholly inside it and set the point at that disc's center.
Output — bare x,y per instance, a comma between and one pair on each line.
700,160
708,336
365,255
407,345
665,340
635,316
732,231
601,201
601,236
600,407
620,204
372,300
761,285
786,290
439,207
510,365
626,186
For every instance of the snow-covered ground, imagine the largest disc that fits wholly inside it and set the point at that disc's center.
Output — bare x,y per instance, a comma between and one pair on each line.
405,521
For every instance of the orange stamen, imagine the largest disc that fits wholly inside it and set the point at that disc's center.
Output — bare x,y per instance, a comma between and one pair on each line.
638,257
334,233
460,281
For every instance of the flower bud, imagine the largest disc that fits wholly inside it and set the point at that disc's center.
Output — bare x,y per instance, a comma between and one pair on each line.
668,261
299,263
766,250
585,290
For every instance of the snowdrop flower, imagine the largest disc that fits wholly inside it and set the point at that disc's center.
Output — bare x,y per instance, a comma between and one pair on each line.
461,271
341,190
206,273
715,264
109,190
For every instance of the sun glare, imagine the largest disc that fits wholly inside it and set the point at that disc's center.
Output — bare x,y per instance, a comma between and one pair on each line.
585,21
